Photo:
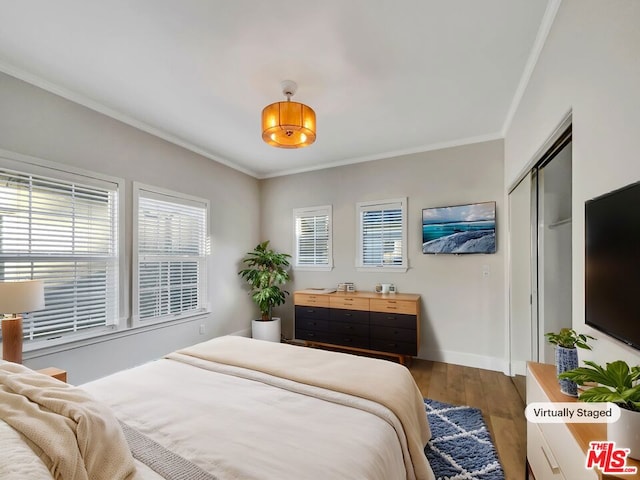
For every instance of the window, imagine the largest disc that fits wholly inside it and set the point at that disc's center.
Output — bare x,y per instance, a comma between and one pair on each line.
382,238
61,228
313,238
170,244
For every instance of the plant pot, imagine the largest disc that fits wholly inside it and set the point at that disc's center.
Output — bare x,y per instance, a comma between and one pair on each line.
626,432
268,330
567,359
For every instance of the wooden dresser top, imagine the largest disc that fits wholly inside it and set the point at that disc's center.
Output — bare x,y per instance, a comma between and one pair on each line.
583,432
363,294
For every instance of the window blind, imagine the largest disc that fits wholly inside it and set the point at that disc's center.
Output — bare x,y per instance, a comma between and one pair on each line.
382,238
313,237
65,234
172,234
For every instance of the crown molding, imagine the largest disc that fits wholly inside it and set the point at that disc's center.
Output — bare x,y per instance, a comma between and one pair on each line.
96,106
538,44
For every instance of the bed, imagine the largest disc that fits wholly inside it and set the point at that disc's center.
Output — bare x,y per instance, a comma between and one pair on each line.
228,408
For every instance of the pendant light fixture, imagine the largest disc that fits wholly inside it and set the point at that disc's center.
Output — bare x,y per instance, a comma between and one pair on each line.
288,124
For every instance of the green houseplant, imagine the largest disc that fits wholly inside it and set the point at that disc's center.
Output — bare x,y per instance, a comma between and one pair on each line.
265,271
569,338
617,383
567,342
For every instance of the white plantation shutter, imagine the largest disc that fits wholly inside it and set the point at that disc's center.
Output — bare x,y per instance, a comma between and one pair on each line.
313,238
382,239
66,234
171,254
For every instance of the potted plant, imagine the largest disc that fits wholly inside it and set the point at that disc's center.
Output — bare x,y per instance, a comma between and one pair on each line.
620,384
566,342
265,272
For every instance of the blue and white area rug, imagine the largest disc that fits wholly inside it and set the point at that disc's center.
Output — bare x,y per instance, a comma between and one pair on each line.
460,447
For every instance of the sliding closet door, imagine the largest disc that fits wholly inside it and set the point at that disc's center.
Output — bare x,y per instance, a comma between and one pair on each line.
521,337
554,248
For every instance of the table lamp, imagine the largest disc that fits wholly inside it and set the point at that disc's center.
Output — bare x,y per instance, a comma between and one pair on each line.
17,298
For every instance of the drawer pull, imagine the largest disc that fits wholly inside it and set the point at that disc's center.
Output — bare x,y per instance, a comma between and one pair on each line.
348,299
311,334
391,308
391,318
553,463
310,310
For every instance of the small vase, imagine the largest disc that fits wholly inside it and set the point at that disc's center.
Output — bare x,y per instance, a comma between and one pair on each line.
567,359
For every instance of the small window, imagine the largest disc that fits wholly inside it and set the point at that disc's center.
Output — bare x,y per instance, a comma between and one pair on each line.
170,248
382,238
312,230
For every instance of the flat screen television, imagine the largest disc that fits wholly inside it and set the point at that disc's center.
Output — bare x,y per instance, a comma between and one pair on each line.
459,229
612,264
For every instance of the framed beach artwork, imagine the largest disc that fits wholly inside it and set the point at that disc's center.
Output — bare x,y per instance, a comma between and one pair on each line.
459,229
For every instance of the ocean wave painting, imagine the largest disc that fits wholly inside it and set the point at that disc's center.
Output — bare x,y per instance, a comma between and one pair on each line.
459,229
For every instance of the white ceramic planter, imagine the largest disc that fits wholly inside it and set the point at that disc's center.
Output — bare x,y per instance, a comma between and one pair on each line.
269,331
626,432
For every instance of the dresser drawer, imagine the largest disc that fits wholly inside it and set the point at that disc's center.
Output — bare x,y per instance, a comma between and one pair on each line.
349,302
551,447
393,334
393,320
319,313
403,348
310,299
541,459
394,306
350,340
312,336
312,324
351,316
359,329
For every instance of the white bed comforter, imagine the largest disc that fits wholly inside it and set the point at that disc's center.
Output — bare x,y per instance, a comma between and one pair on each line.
241,424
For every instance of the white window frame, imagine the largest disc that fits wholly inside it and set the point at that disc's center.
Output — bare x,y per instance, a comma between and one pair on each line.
66,173
324,210
204,261
362,207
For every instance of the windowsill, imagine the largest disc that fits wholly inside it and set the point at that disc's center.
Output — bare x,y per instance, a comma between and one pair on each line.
313,269
46,347
383,269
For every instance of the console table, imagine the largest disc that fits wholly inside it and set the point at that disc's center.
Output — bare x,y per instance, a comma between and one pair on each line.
383,324
558,450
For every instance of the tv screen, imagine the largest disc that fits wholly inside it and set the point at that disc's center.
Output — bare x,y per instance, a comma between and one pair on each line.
612,264
459,229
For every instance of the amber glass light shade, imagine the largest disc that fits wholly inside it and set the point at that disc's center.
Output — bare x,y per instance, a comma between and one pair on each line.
288,125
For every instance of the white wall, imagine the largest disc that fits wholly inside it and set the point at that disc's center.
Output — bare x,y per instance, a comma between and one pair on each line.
590,64
462,311
37,123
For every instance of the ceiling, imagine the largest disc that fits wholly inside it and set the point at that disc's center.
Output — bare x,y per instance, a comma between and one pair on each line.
384,77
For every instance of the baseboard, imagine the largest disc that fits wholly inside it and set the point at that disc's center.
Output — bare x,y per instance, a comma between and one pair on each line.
466,360
246,332
519,368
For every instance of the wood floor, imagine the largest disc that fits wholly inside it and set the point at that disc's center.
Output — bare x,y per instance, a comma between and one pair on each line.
494,393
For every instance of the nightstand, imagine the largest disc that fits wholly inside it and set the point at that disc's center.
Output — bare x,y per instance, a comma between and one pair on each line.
55,373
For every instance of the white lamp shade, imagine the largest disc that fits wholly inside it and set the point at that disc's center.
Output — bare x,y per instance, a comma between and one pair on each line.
21,297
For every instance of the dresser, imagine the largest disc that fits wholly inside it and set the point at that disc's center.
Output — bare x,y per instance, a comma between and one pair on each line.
558,450
384,324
